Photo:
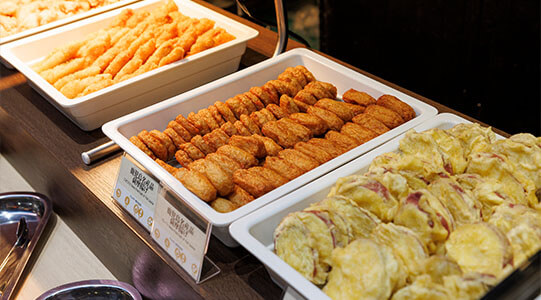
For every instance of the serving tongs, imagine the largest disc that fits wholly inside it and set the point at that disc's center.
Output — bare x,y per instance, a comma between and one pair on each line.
21,242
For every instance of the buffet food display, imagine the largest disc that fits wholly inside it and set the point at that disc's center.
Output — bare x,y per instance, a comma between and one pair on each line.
447,216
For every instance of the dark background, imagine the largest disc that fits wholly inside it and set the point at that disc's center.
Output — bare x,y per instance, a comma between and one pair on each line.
479,57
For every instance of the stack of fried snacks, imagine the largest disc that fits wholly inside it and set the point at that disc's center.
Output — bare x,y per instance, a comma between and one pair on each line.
237,151
135,43
20,15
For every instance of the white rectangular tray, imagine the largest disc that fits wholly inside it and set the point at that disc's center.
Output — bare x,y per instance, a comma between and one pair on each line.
93,110
158,115
255,231
64,21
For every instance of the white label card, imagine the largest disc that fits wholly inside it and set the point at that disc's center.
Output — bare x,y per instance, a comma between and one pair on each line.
185,242
137,192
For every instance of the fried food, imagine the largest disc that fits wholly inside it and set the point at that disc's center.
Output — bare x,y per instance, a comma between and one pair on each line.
225,111
385,115
154,144
200,143
340,109
358,133
166,141
369,122
250,124
183,158
172,170
355,97
241,129
216,138
316,125
255,100
275,179
252,182
333,149
301,132
279,134
288,105
249,144
198,184
181,131
242,157
299,159
277,111
271,147
229,129
331,119
237,107
247,103
222,205
342,140
193,152
207,117
313,151
220,179
226,163
216,115
391,102
303,107
199,123
240,197
265,98
139,143
282,167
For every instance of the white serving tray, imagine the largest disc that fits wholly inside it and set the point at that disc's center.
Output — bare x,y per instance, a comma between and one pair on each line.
255,231
158,115
93,110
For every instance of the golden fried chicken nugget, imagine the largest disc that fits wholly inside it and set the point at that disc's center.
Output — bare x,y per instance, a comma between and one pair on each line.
216,115
154,145
170,169
249,144
306,97
262,95
313,151
240,197
293,76
242,157
198,123
329,88
385,115
301,132
222,205
193,152
252,182
355,108
199,184
183,158
187,125
393,103
299,159
280,135
270,145
229,128
255,100
321,90
247,103
237,107
312,122
198,165
331,119
333,149
220,179
216,138
288,105
139,143
282,167
250,124
181,131
259,118
225,162
166,141
282,87
202,145
267,114
271,91
303,107
358,133
337,107
225,111
355,97
277,111
309,76
369,122
241,129
273,177
342,140
207,117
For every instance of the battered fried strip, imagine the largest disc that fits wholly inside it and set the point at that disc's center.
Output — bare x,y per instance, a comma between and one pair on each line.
140,56
155,145
385,115
226,163
333,149
225,111
241,129
303,107
282,167
176,54
299,159
277,111
204,41
74,88
242,157
246,102
280,135
403,109
139,143
337,107
342,140
61,70
197,28
237,107
250,124
229,129
198,184
86,72
358,133
222,181
271,147
288,105
216,138
249,144
316,125
272,177
59,56
102,83
240,197
252,182
313,151
369,122
355,97
301,132
183,158
222,205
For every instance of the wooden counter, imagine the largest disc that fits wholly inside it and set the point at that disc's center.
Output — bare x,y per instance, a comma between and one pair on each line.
45,147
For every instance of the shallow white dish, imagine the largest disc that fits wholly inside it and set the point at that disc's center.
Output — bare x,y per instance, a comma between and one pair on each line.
255,231
158,115
91,111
